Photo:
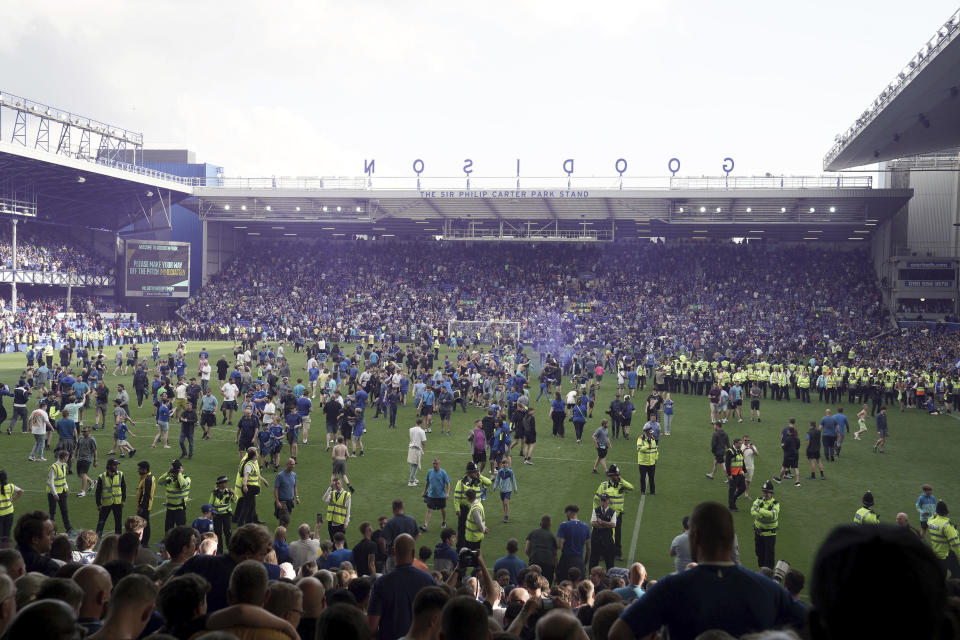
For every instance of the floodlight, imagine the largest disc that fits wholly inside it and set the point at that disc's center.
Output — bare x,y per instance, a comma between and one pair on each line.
268,208
298,208
339,209
324,208
703,209
812,210
718,209
243,207
783,209
226,207
833,209
749,209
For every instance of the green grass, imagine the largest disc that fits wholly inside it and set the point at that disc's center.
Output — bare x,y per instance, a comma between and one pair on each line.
918,451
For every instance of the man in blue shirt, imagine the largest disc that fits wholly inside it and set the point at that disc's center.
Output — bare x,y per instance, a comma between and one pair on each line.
285,492
828,425
340,553
390,611
293,421
510,562
573,538
843,427
436,493
304,405
727,596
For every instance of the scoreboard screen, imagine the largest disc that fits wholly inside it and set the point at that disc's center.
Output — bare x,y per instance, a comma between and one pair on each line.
155,269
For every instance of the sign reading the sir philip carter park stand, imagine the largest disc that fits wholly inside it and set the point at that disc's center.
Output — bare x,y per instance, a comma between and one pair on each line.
155,269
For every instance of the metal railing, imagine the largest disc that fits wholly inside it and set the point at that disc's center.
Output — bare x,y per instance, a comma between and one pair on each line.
544,235
41,110
916,64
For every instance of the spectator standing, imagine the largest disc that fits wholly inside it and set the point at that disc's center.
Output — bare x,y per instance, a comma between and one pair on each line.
541,548
390,612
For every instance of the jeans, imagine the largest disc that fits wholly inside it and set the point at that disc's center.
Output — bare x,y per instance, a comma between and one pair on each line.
186,433
38,442
413,472
667,420
393,416
18,412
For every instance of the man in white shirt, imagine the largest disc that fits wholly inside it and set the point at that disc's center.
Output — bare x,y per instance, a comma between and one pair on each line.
749,455
229,405
418,437
306,548
269,409
205,370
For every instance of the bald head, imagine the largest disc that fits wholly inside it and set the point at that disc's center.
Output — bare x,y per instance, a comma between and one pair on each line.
55,617
313,591
560,624
403,548
903,520
638,573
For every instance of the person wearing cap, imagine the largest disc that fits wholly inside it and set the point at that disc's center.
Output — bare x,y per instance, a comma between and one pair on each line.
616,415
926,506
111,495
146,486
472,480
603,523
204,524
866,514
615,487
766,522
177,485
944,540
647,456
222,500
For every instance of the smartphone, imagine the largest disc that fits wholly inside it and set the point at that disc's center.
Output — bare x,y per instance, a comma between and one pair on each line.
320,517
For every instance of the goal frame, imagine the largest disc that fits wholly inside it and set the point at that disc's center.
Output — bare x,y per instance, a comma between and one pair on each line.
508,328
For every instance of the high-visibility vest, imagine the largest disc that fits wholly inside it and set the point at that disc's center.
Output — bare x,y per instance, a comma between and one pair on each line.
337,507
178,492
6,500
59,478
474,531
253,480
110,492
736,463
466,483
866,516
223,504
615,493
647,452
943,536
766,516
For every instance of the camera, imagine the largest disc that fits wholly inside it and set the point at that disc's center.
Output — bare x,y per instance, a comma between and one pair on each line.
546,604
780,571
320,518
468,558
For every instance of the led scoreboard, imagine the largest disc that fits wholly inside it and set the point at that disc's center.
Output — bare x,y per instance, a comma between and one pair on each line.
157,269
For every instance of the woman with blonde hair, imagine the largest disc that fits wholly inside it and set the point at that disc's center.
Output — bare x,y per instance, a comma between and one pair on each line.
108,549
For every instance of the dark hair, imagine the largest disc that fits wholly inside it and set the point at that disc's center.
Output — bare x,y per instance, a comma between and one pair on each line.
512,545
343,621
118,570
128,545
29,526
179,598
177,538
360,588
794,581
3,482
429,599
465,618
447,533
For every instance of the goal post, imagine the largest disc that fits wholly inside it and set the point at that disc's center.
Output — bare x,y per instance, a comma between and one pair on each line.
489,331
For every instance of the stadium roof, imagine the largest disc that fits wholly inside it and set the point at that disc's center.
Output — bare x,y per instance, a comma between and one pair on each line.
71,191
781,208
919,112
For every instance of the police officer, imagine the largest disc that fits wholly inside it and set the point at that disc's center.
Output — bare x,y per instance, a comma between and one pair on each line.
222,499
866,514
647,456
766,521
177,485
111,495
472,480
944,540
603,522
614,487
737,482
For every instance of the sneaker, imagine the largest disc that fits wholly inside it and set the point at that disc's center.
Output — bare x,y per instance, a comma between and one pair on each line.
823,477
813,476
709,475
166,446
874,448
758,419
423,528
32,459
443,524
81,494
726,481
796,484
530,462
506,519
740,420
133,452
777,479
594,471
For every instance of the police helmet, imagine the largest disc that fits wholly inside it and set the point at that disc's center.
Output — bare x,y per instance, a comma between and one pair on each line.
471,467
868,499
613,470
767,487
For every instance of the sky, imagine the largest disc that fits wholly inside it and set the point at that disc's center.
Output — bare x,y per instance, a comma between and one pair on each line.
319,88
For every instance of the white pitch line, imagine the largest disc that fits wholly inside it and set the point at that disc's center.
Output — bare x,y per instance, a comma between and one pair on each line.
636,530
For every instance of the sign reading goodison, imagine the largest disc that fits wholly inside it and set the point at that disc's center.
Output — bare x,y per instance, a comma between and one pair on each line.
619,165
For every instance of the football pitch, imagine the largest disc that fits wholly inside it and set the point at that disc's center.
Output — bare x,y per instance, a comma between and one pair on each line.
918,451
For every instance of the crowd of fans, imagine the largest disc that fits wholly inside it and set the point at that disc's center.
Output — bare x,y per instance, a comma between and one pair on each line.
263,587
49,249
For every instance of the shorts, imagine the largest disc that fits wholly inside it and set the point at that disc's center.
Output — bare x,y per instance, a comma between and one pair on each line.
719,457
340,467
101,408
306,422
479,456
358,431
293,435
755,404
862,424
444,415
163,426
531,436
882,432
83,466
435,504
748,473
813,455
229,404
505,495
519,434
123,443
737,403
601,452
331,427
791,462
426,410
496,456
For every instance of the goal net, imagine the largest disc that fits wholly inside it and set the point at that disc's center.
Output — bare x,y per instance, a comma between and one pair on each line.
484,331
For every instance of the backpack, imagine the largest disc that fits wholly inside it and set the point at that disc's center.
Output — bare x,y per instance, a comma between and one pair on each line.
479,441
